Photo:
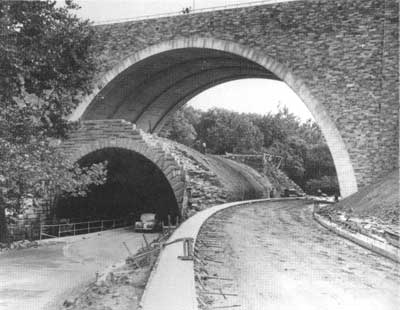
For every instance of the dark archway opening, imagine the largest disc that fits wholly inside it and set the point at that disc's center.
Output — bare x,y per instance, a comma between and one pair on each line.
134,185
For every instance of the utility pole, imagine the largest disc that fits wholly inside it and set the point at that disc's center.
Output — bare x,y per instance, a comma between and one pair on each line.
194,3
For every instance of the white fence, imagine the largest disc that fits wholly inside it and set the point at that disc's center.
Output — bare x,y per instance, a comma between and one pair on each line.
72,229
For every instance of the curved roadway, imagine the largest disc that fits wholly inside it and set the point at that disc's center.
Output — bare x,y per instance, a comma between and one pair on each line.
42,278
279,258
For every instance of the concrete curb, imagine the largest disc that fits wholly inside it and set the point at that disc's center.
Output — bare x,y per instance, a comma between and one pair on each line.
171,285
373,245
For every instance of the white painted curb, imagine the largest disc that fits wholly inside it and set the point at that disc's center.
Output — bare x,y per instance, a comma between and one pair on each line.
373,245
171,285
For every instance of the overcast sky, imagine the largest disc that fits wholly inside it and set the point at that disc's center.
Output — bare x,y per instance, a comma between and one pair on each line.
100,10
249,95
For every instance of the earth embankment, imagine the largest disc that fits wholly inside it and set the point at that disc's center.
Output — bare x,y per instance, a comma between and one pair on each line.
380,200
213,179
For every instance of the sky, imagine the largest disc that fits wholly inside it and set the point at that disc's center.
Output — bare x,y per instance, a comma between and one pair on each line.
100,10
259,96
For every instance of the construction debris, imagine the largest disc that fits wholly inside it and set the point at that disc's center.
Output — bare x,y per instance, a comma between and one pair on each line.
120,287
214,290
18,245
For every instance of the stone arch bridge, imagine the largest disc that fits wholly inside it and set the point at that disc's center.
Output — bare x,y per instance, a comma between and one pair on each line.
143,175
340,57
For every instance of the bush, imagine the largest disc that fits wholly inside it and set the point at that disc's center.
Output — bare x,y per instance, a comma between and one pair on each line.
327,184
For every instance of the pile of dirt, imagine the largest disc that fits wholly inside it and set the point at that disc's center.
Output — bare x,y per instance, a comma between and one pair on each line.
18,245
120,287
379,200
122,291
242,181
373,211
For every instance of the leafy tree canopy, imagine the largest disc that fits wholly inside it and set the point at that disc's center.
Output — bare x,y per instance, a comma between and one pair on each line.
45,67
304,151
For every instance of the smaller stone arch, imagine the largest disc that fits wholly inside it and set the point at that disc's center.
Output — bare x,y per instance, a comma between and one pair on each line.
93,136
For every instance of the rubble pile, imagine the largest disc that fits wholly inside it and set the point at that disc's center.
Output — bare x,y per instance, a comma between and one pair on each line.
373,211
370,226
18,245
204,186
120,287
215,286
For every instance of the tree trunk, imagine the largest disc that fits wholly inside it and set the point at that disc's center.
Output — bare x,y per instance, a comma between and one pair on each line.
3,222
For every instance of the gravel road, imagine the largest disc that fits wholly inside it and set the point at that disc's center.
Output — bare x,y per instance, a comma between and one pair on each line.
41,278
274,256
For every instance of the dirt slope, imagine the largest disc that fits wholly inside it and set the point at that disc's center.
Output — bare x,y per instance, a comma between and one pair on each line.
380,200
237,181
243,182
214,180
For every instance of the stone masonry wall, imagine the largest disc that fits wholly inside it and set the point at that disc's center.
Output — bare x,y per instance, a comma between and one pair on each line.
345,51
100,134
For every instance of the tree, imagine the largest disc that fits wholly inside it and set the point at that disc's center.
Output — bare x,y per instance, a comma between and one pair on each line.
327,184
271,129
319,162
302,146
180,129
247,137
215,129
226,131
45,68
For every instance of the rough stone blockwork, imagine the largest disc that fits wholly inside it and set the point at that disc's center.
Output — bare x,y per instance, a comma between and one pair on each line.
344,51
203,185
99,134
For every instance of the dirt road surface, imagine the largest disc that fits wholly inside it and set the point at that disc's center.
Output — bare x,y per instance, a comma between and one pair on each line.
274,256
41,278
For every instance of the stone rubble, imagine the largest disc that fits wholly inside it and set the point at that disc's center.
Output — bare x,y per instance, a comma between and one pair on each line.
18,245
369,226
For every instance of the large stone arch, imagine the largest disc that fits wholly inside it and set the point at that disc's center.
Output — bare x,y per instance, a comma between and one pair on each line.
258,61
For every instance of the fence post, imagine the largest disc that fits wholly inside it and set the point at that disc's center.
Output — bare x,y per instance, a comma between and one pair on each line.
113,224
59,230
102,225
41,230
88,227
74,229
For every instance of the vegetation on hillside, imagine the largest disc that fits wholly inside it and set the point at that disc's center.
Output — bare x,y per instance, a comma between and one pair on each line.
306,157
45,67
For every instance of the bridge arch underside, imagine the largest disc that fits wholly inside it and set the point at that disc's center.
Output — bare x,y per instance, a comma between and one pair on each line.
134,185
148,87
151,90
